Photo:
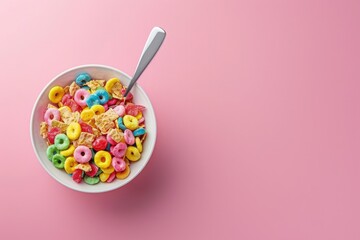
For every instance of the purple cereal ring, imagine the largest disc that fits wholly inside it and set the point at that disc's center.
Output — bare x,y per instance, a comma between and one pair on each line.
119,150
129,137
119,164
82,154
80,97
51,114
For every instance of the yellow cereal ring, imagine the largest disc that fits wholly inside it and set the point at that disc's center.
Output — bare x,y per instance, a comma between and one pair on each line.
130,122
108,170
139,115
132,153
124,174
98,109
87,114
102,159
68,152
104,177
56,93
73,131
110,83
70,165
138,144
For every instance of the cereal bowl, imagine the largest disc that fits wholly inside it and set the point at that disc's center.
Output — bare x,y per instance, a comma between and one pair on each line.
40,145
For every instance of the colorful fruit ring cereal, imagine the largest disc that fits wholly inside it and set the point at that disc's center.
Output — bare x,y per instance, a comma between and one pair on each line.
51,114
73,131
119,150
124,174
104,132
92,100
110,83
82,154
58,160
82,79
138,144
61,142
56,93
68,152
132,153
80,97
70,165
97,109
102,159
131,122
118,164
129,137
121,124
139,132
103,96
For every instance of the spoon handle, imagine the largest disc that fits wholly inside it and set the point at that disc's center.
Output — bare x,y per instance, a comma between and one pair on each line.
152,45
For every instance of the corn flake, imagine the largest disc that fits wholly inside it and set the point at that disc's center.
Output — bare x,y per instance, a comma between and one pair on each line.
116,91
94,84
73,88
84,166
51,106
111,114
66,89
61,125
116,134
85,139
103,123
43,129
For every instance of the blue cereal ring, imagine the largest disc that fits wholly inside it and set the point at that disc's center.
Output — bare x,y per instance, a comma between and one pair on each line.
86,87
139,131
92,100
103,96
108,147
82,79
121,124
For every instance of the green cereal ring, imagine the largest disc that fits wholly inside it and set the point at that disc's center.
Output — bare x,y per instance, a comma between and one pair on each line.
91,180
51,151
62,142
58,160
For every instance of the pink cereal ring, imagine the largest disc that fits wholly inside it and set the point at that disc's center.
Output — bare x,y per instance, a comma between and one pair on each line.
80,97
129,137
119,164
82,154
112,101
110,140
51,114
119,150
120,110
141,120
106,106
111,177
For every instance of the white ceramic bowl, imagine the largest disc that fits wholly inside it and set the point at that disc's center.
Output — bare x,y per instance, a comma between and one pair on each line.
40,146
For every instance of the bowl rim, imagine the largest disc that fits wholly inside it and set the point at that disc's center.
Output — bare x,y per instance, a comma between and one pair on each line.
32,133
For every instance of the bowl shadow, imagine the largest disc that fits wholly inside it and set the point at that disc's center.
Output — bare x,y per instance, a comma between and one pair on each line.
146,190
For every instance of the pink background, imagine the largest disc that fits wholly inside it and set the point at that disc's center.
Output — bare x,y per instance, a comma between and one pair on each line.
258,118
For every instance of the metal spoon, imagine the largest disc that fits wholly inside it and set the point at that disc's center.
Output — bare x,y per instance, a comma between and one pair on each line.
152,45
